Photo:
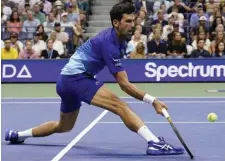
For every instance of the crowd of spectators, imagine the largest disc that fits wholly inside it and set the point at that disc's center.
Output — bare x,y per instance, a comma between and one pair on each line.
42,28
163,28
178,29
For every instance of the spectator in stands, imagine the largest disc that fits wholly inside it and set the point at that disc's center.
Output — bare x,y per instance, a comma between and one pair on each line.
167,29
57,10
24,13
41,31
182,8
194,5
143,37
148,6
160,19
219,28
217,21
31,23
219,37
75,6
14,24
157,47
49,24
57,45
20,4
177,48
163,8
4,19
154,28
38,14
71,29
138,21
33,2
28,52
65,21
38,45
6,10
139,52
220,50
195,17
209,9
73,17
84,10
77,17
201,36
61,35
215,13
10,3
203,25
49,53
175,30
179,19
47,6
145,21
203,21
200,52
8,52
83,6
133,42
41,6
15,43
158,5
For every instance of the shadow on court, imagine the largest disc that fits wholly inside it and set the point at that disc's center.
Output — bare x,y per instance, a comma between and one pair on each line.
109,139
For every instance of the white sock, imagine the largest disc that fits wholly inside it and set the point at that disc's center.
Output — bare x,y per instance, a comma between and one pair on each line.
25,134
147,135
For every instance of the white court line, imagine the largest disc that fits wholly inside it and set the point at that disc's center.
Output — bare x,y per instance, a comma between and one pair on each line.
30,102
132,102
78,137
119,122
119,97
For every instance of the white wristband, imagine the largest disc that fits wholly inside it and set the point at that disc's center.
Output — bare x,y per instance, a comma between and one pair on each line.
148,99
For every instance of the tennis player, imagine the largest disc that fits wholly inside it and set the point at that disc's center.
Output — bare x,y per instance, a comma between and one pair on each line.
77,84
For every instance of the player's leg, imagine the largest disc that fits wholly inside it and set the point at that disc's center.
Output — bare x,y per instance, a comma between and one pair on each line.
156,146
70,106
65,124
104,98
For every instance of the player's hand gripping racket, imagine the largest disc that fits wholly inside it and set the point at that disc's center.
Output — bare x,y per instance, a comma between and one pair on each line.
167,116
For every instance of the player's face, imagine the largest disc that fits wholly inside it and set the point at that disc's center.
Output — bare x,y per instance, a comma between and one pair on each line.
125,27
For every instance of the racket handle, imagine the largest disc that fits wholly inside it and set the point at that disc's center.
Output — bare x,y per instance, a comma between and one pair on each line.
165,113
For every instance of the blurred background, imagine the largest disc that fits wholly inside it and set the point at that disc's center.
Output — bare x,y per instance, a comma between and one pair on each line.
163,28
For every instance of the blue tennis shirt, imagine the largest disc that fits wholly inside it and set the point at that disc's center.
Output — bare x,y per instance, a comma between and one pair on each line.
102,50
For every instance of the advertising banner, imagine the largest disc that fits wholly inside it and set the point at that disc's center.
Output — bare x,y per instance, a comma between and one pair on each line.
146,70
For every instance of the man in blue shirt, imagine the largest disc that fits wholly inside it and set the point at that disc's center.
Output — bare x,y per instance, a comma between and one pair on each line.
77,84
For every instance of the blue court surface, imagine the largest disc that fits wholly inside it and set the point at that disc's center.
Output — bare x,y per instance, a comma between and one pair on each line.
100,135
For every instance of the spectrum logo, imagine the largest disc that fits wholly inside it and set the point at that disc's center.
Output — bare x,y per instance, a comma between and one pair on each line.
189,70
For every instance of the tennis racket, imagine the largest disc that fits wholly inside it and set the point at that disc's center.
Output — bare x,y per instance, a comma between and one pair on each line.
167,116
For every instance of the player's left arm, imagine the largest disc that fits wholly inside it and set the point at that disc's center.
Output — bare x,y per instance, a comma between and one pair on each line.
135,92
114,63
128,87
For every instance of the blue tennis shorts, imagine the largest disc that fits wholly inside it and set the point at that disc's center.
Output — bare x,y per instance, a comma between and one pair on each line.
74,89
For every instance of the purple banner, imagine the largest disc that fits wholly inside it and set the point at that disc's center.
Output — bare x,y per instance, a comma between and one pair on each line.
156,70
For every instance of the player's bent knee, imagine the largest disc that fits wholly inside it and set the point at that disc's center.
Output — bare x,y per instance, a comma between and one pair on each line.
120,108
64,128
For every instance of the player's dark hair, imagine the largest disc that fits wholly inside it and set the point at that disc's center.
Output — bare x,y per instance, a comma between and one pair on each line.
117,11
